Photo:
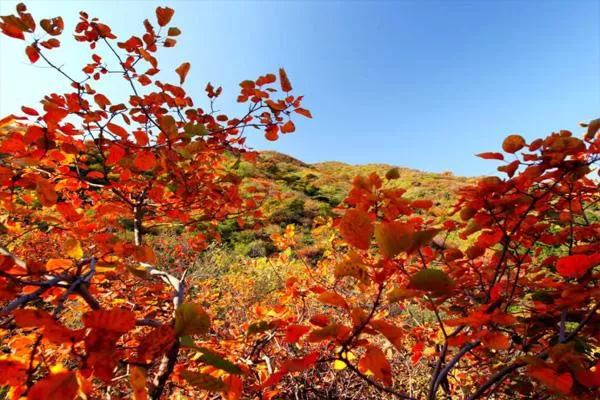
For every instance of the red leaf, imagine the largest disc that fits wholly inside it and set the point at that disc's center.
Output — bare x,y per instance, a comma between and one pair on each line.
101,100
117,130
29,111
560,383
286,86
577,265
319,320
32,53
115,154
145,161
295,332
164,15
491,156
14,26
54,26
424,204
68,212
29,317
300,364
50,43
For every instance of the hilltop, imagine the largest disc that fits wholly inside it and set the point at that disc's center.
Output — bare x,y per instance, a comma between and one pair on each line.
300,191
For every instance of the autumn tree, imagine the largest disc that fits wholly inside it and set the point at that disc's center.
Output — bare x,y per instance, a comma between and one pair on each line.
512,310
80,168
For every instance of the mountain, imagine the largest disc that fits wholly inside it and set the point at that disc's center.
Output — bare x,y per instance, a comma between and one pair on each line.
299,192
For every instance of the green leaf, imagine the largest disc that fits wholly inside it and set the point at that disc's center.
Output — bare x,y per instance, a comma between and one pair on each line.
190,129
434,280
204,381
187,341
191,319
210,358
259,327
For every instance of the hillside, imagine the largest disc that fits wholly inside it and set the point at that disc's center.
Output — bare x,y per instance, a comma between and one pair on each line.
299,192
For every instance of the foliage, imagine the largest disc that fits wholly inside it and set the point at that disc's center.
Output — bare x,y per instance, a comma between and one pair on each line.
110,265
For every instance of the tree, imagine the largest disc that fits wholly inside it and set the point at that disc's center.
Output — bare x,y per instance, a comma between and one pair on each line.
513,311
83,165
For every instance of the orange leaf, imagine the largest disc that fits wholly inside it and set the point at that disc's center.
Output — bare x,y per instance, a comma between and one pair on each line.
173,31
182,71
304,112
391,332
496,341
137,378
513,143
286,86
54,264
115,320
356,228
46,193
164,15
288,127
271,132
374,361
333,299
14,372
62,385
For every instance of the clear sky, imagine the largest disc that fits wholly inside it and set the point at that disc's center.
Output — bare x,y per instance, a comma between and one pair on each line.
422,84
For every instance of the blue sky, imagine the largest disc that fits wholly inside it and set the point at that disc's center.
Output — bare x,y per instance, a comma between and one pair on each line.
422,84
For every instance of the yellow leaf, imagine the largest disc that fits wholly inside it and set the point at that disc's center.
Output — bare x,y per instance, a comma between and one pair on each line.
73,249
339,365
394,237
